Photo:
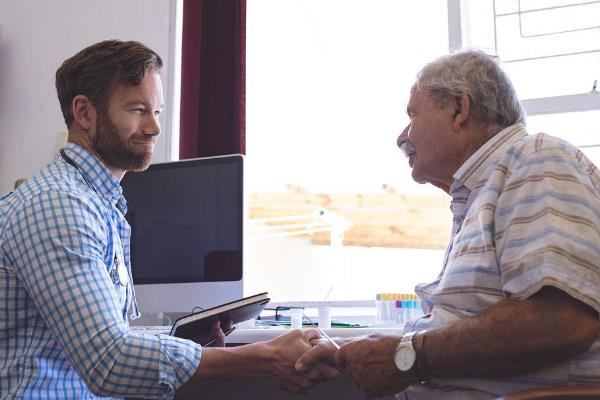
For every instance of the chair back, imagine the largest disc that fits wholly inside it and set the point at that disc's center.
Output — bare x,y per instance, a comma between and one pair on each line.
556,392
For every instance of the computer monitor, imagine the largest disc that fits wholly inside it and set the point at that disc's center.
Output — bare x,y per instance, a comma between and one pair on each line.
187,233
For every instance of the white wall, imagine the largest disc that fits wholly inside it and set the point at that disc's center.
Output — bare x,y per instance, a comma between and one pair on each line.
35,37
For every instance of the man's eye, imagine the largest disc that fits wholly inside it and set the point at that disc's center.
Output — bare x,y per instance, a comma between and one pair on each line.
139,110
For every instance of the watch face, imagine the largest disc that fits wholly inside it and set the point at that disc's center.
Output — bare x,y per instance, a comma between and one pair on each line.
405,358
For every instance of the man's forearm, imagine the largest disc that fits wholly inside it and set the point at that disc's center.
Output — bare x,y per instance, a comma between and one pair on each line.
272,360
227,363
512,337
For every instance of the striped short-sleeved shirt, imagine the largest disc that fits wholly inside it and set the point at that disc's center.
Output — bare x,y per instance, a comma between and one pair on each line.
526,214
63,307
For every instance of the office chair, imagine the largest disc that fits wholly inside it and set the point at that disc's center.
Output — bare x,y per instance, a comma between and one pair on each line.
556,392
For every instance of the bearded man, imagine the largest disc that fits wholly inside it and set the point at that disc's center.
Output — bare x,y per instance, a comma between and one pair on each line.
65,277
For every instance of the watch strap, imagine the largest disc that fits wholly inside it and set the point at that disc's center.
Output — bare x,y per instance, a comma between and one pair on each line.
417,374
421,365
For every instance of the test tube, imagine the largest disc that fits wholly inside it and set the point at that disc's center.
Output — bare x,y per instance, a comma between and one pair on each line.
296,318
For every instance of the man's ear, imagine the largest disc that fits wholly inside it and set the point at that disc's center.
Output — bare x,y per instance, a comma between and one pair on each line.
462,110
84,112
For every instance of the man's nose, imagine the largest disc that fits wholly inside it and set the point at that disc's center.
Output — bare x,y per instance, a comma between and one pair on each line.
403,135
152,126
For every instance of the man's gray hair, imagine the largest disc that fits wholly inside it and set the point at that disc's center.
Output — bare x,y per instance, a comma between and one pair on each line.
493,98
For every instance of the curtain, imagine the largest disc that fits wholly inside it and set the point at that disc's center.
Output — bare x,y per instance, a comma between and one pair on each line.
213,73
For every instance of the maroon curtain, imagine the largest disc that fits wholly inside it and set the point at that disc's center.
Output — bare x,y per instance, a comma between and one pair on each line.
213,74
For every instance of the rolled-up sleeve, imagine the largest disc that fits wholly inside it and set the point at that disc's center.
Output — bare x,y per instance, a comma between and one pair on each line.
57,244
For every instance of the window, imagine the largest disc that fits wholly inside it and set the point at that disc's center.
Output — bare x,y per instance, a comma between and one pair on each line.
327,86
550,51
548,48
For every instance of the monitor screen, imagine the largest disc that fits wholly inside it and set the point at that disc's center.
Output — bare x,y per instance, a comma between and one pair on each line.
187,225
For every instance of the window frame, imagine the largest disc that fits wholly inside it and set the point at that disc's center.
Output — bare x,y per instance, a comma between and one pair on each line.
533,106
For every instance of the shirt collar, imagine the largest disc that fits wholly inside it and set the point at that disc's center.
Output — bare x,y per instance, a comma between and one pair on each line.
470,171
97,175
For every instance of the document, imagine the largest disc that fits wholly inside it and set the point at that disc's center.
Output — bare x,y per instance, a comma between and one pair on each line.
198,326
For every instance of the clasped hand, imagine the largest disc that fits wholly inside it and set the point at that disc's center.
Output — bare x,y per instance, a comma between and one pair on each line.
283,352
368,360
301,359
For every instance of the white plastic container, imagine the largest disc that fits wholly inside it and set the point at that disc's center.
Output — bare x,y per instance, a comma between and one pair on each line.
325,317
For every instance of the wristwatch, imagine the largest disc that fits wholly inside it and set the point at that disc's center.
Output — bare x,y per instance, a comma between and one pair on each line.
405,359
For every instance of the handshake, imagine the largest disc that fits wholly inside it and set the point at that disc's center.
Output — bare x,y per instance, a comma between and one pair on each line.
301,359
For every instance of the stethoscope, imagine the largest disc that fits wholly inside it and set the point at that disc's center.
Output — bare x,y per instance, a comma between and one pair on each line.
120,273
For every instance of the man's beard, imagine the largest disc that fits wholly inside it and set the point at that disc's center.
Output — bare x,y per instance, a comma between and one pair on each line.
116,151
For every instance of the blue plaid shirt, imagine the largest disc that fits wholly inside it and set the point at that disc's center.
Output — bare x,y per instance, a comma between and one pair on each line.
63,311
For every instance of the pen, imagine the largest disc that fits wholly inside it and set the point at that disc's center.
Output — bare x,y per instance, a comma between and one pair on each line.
326,336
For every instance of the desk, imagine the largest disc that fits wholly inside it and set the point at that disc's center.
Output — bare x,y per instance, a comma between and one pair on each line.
252,335
340,388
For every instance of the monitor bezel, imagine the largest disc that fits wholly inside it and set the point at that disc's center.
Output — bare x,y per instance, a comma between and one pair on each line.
238,160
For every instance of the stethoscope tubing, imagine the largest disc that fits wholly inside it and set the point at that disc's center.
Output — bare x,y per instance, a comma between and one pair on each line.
135,312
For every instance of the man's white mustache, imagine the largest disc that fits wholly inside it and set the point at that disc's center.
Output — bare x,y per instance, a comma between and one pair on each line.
407,148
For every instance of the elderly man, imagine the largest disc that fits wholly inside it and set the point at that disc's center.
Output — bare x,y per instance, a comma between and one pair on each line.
516,305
